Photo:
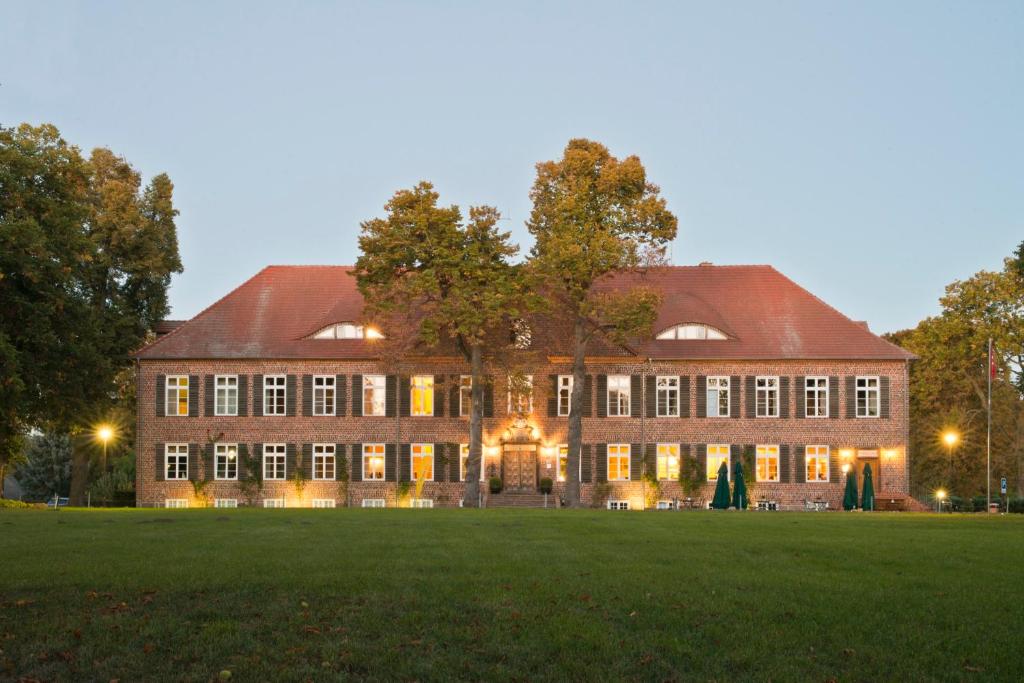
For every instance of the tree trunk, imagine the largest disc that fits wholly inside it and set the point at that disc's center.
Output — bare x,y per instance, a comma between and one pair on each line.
3,477
572,474
471,494
79,470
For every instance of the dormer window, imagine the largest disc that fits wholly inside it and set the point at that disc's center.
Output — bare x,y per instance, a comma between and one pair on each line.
347,331
692,331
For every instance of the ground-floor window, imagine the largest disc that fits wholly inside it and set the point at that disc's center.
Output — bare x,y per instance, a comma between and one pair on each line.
226,461
373,462
717,454
618,504
668,461
423,461
816,459
176,503
273,462
768,463
666,505
618,462
225,502
421,503
176,461
373,503
323,502
323,461
273,502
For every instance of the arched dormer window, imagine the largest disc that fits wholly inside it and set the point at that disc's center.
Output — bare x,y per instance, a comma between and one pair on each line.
347,330
692,331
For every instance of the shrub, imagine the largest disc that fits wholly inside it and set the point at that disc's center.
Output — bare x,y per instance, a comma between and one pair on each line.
978,503
546,485
956,504
495,484
7,503
1016,505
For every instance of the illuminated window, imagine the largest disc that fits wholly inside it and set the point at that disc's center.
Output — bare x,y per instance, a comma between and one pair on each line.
717,454
668,461
176,461
618,504
347,331
816,461
422,389
176,503
465,395
618,462
422,461
225,502
691,331
563,461
273,502
323,461
324,503
275,393
374,393
767,396
373,462
273,462
225,466
867,397
816,396
520,394
668,396
226,395
718,397
618,395
323,394
177,394
464,462
564,394
767,463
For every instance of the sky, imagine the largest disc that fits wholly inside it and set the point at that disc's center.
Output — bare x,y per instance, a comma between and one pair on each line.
871,151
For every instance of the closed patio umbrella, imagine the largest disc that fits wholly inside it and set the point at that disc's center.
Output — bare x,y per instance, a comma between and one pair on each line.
721,499
867,498
739,487
850,494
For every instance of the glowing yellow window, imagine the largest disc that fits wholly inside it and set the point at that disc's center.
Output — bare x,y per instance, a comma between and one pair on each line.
668,461
563,461
423,461
767,463
177,395
816,460
717,454
422,395
373,462
618,462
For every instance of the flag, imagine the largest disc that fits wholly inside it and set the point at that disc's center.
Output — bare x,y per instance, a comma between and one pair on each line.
991,360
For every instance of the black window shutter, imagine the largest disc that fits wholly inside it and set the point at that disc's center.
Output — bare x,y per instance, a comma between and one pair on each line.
553,396
651,394
702,396
835,468
340,395
454,396
784,397
208,394
257,395
193,461
636,392
651,459
243,395
684,453
307,395
208,470
289,398
801,396
588,395
454,458
489,396
441,455
161,395
602,461
636,461
851,397
833,397
193,395
785,467
257,456
883,396
602,395
701,454
735,456
357,395
390,395
439,395
586,455
751,395
357,462
289,459
243,455
307,460
390,463
734,396
405,463
159,462
404,396
800,464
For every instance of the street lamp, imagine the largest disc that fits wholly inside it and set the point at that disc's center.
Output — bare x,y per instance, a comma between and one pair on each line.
104,433
940,495
950,438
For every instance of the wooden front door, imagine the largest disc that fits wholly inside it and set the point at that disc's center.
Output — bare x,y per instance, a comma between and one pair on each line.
519,467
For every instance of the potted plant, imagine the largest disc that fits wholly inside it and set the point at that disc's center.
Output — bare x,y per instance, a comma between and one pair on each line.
546,485
494,484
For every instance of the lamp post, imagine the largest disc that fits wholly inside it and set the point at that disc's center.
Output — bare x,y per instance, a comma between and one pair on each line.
104,433
950,438
940,495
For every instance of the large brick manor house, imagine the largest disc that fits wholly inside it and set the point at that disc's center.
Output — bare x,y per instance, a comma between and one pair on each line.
277,395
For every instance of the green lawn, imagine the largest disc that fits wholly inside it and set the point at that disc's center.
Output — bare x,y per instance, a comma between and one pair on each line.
509,595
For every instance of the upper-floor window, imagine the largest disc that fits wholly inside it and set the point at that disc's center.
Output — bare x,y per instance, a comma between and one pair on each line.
520,394
668,461
373,462
422,389
816,462
422,461
668,396
225,464
177,394
465,395
618,395
767,396
718,453
225,395
618,461
816,396
274,461
564,394
176,461
867,397
348,331
768,463
323,394
323,461
718,396
692,331
374,392
275,391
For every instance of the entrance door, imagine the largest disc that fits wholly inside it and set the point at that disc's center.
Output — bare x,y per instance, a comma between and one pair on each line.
519,468
866,457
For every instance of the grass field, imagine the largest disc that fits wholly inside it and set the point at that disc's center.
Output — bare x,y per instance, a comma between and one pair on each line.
509,595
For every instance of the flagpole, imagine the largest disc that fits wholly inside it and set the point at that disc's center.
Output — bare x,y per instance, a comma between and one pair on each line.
988,435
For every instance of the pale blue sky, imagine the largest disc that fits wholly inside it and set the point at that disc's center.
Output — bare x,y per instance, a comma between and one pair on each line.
872,151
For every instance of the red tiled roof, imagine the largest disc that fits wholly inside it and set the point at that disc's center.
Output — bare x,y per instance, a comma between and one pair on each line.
765,314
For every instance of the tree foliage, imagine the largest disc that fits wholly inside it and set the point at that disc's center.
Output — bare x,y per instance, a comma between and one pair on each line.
47,467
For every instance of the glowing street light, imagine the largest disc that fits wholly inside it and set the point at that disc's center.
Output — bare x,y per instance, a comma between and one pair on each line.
104,433
940,496
950,438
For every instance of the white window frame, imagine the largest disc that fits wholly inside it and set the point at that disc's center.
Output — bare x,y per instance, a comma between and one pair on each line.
712,472
369,451
413,456
770,387
820,453
663,452
271,385
176,390
175,451
325,454
421,502
767,452
280,451
692,332
175,503
374,384
669,385
564,391
618,504
225,503
528,381
622,450
868,391
624,402
327,383
816,386
665,505
465,395
425,385
273,502
324,503
223,452
373,503
223,388
715,385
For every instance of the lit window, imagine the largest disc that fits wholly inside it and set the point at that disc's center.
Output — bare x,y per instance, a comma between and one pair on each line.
767,396
347,331
273,502
374,393
422,389
867,397
692,331
718,397
563,462
275,393
226,401
374,503
373,462
668,461
465,395
176,461
564,394
273,461
668,396
816,459
464,462
618,395
323,503
176,503
767,463
323,394
520,394
177,394
816,396
423,461
618,462
717,454
225,502
618,504
323,461
225,466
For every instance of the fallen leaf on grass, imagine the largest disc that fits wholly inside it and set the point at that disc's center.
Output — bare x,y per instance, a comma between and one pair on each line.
148,648
311,629
973,669
23,603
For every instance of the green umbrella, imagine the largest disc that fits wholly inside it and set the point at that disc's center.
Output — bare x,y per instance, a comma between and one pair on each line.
850,495
721,499
739,488
867,498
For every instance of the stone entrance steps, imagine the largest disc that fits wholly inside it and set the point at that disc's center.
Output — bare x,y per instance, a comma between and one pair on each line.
515,499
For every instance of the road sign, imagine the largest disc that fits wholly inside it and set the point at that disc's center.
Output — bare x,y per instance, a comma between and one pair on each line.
1002,486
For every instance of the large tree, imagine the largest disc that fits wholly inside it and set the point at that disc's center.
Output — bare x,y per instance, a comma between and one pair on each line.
86,256
595,216
423,267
